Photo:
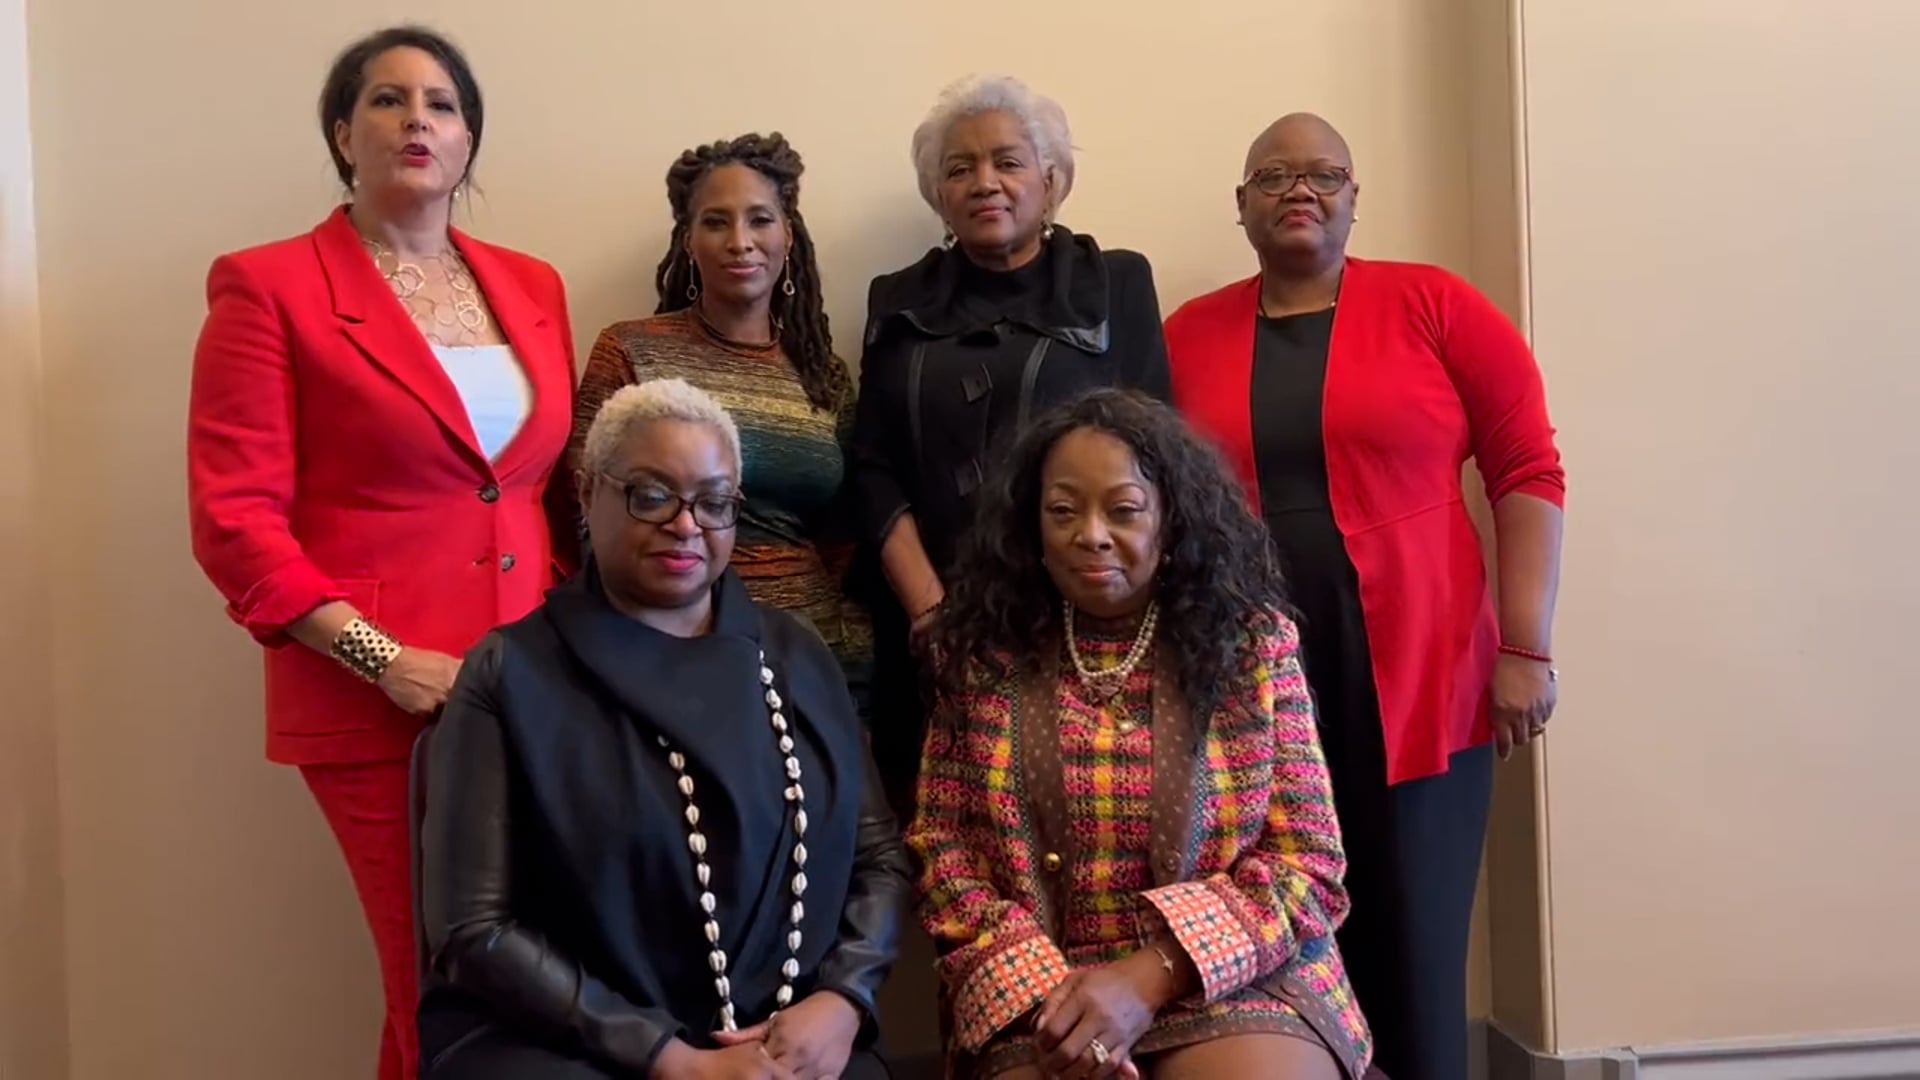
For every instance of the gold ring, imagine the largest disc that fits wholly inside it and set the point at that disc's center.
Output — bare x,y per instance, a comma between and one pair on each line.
1100,1052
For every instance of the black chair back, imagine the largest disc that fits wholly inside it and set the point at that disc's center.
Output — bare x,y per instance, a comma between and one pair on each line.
417,817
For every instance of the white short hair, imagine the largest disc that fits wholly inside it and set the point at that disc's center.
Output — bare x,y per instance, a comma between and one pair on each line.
631,408
1042,117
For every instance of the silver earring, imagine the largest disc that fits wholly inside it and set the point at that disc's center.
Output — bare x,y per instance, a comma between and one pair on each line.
948,240
1046,231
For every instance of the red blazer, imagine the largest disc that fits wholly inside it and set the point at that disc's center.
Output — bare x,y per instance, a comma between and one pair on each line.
329,457
1423,373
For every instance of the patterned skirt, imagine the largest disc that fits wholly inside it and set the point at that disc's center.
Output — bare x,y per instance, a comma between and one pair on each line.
1255,1010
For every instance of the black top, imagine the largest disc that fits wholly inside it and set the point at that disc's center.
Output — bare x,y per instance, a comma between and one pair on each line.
958,357
1290,456
558,892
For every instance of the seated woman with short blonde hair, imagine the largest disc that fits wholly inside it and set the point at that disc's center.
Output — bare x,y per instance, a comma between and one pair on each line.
653,844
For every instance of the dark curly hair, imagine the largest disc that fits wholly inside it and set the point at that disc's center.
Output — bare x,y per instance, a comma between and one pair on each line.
803,316
1220,571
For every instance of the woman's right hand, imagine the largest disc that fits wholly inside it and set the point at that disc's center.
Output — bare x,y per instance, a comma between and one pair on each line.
749,1061
419,680
923,622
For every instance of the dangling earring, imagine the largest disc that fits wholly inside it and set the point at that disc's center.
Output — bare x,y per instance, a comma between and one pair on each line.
948,240
786,279
693,283
1046,231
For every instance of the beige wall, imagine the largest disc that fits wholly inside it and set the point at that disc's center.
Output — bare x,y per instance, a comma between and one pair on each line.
1722,234
211,930
1509,977
33,1017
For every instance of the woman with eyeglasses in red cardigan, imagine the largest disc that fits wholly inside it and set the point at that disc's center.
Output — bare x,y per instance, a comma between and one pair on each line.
1348,394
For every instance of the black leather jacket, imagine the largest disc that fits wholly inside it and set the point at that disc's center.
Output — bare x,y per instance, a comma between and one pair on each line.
558,895
959,359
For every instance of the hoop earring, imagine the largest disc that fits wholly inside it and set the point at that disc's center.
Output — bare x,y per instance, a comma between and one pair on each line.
786,280
693,284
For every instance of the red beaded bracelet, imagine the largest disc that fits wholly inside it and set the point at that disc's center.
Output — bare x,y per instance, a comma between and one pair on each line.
1526,654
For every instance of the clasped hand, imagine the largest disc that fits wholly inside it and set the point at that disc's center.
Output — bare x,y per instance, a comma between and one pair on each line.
810,1041
1112,1004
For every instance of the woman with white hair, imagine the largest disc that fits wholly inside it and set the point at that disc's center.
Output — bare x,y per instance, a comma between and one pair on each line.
653,844
1014,314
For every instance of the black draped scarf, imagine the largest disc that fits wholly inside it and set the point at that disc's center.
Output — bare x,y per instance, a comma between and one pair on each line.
612,805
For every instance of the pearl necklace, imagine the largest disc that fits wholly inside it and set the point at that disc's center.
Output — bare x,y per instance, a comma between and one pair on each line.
1114,677
697,843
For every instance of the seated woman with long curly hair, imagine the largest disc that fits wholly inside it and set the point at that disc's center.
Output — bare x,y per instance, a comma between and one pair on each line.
1130,858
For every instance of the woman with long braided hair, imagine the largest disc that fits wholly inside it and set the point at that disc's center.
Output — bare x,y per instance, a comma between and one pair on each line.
741,316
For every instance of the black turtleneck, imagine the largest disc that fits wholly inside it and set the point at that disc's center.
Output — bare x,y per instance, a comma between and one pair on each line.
988,297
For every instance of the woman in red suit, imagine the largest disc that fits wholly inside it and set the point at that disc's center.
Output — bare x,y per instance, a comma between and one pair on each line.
377,409
1348,394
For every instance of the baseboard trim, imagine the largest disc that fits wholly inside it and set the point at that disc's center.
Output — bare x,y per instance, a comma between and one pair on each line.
1508,1058
1866,1056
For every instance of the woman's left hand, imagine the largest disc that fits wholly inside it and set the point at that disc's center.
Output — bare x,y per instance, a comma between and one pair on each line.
1523,696
1110,1003
813,1038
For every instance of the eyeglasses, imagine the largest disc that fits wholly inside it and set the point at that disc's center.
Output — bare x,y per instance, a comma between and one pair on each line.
655,505
1277,180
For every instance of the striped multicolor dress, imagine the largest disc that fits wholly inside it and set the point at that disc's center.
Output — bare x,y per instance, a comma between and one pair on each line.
1059,830
788,550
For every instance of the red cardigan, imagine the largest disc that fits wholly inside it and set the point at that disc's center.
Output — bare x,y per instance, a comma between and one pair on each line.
1423,373
329,457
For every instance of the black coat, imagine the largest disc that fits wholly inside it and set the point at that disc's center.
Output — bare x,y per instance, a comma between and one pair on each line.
951,371
559,894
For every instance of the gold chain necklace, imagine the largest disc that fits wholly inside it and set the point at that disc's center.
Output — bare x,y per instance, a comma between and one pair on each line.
408,280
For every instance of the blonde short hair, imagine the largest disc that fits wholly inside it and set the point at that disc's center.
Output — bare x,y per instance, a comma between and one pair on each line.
1044,121
631,408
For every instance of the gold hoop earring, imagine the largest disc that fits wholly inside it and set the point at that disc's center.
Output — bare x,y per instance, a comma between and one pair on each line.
693,283
786,280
